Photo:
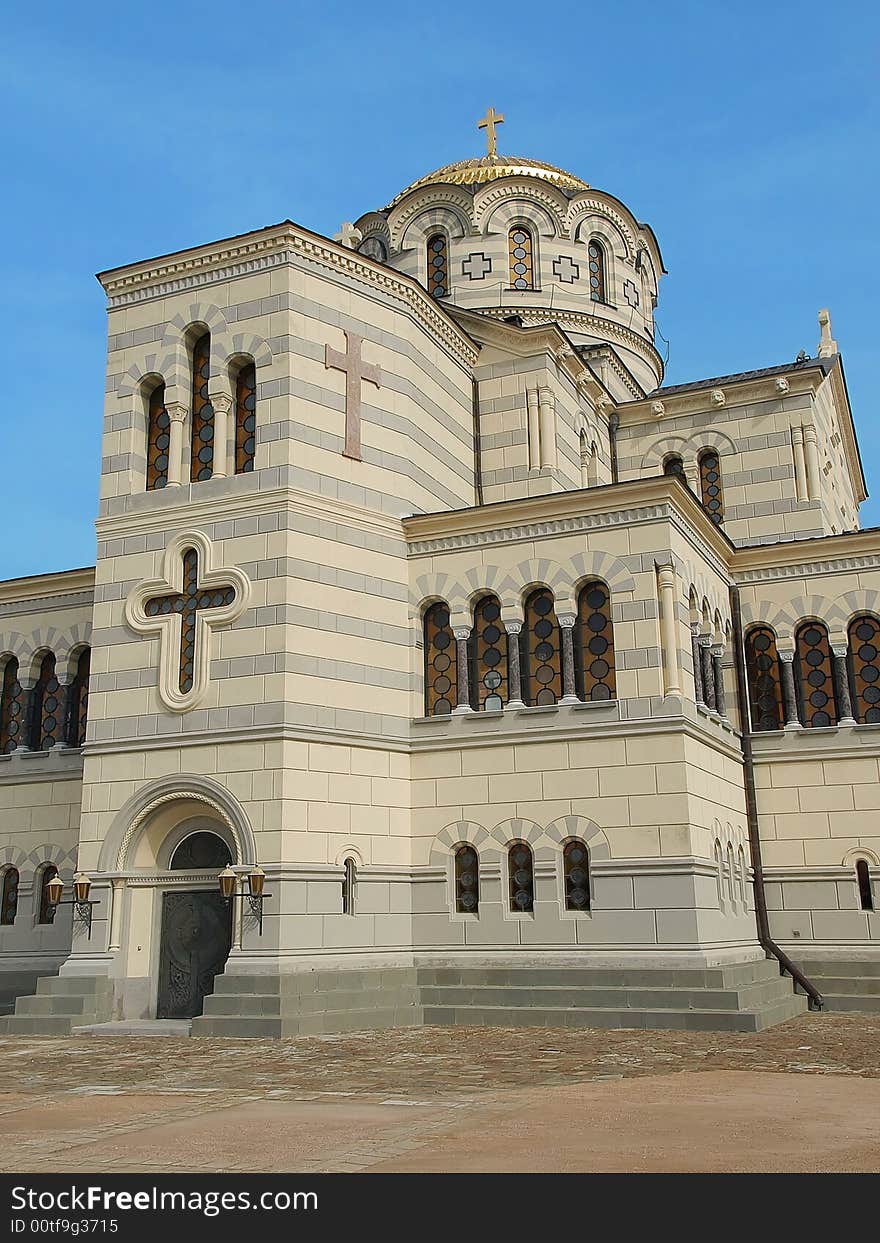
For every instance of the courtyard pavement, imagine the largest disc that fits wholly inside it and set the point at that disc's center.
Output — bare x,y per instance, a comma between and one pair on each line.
804,1096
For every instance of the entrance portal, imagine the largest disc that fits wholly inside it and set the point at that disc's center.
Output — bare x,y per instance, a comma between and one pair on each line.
196,931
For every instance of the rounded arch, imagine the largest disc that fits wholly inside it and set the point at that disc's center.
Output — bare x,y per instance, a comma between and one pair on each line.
590,207
247,346
687,447
452,199
444,218
567,828
193,793
460,833
349,852
851,858
518,200
516,829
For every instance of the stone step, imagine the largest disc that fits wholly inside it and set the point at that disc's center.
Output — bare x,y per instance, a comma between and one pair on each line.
543,997
740,976
868,985
43,1024
819,968
839,1001
136,1027
306,1003
61,1004
93,985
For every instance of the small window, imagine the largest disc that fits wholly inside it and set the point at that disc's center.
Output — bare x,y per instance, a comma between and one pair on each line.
814,678
467,881
349,884
762,667
441,669
673,465
863,877
245,418
438,266
596,255
522,274
202,454
710,485
864,662
158,439
542,660
9,897
576,869
48,722
487,652
521,878
10,708
594,644
46,913
80,700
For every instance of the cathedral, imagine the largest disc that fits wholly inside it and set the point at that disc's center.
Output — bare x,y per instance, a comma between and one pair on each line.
438,664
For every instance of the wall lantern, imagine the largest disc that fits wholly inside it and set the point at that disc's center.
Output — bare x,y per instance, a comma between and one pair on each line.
254,891
80,900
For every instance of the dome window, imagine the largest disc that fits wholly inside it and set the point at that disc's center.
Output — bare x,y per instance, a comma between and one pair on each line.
521,259
438,266
596,257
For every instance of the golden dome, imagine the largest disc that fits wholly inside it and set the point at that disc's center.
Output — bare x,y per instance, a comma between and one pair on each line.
490,168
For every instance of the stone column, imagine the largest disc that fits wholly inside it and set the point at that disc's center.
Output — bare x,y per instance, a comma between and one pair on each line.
222,404
534,429
569,686
811,449
462,634
699,694
840,677
708,673
67,685
177,414
514,678
27,718
718,678
800,465
669,627
789,695
692,478
547,410
117,897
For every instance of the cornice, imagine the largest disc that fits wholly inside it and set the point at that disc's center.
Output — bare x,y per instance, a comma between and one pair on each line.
42,587
813,558
801,380
581,322
285,244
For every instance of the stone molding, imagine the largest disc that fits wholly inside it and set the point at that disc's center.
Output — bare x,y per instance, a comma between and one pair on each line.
580,321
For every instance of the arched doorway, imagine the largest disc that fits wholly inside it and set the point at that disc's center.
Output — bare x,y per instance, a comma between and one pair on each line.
196,930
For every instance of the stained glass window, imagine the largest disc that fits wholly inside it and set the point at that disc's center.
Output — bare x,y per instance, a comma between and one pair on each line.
441,671
245,418
10,708
487,651
80,707
9,897
521,261
673,465
187,604
467,881
576,873
762,667
597,271
542,662
48,707
710,484
521,877
47,910
202,455
864,661
349,882
594,644
438,266
863,879
158,440
815,684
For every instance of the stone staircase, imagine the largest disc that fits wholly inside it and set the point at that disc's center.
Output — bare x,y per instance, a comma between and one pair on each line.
850,984
748,997
310,1003
60,1004
15,984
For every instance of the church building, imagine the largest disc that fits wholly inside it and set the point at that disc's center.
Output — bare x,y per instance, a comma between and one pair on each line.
438,664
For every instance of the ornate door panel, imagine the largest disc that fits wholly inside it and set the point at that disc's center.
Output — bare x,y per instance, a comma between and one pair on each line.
196,938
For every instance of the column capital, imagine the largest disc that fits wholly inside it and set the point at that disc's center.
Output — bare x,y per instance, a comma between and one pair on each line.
787,658
797,434
222,401
461,632
513,627
840,649
810,432
566,620
717,649
177,412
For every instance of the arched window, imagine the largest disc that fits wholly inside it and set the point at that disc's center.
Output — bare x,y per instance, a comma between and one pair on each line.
864,668
731,878
202,451
80,702
863,877
158,439
762,666
245,418
48,720
441,671
521,877
467,881
743,879
576,874
520,248
594,644
487,652
9,897
349,884
719,872
202,851
814,680
585,460
596,255
10,708
541,658
46,912
673,465
710,485
438,266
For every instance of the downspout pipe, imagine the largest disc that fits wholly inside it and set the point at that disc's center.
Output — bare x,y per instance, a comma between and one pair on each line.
478,447
745,733
613,424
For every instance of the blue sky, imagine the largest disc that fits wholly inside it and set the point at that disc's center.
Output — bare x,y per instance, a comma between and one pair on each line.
746,135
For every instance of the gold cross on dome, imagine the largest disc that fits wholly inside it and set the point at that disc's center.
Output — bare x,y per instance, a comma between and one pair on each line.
488,123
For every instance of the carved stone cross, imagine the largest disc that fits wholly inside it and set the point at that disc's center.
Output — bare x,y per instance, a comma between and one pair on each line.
188,603
356,371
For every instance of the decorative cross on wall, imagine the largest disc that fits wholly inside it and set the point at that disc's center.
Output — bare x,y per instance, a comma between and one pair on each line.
630,293
356,370
187,603
183,607
476,266
566,270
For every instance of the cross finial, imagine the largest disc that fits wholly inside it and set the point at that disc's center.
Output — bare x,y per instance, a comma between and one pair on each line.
488,123
827,345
